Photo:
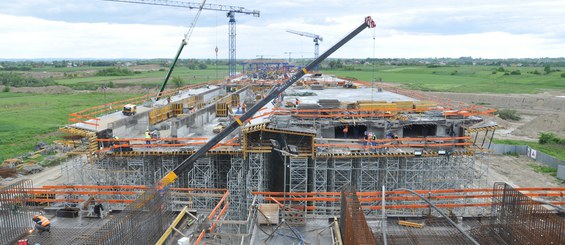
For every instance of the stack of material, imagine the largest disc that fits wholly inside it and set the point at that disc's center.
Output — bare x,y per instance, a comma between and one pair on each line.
424,105
306,106
404,104
317,87
374,105
329,104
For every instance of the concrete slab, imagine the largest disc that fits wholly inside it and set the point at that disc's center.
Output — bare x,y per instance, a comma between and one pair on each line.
349,95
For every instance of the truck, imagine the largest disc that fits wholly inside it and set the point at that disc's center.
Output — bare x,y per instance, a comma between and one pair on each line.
129,110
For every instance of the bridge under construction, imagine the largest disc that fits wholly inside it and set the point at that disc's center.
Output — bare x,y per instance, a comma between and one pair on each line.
327,161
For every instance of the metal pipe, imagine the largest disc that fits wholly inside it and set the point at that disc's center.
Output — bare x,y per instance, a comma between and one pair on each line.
383,227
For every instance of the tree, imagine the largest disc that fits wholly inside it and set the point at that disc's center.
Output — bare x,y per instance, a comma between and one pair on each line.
202,66
563,75
547,69
177,81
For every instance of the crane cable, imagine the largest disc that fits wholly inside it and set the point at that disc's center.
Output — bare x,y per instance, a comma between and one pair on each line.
374,66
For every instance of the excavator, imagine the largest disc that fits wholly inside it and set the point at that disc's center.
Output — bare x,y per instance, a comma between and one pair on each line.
181,168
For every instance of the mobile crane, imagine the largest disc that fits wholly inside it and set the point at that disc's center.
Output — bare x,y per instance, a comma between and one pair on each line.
181,168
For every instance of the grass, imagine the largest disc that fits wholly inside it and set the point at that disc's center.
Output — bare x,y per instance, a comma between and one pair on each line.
554,150
544,169
150,79
30,118
469,79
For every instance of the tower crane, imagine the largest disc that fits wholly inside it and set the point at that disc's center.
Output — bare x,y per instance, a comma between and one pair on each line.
231,11
316,39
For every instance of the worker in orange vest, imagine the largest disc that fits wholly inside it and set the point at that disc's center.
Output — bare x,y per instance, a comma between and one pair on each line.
41,223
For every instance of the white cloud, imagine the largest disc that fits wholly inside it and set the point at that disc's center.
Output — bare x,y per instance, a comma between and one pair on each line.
433,28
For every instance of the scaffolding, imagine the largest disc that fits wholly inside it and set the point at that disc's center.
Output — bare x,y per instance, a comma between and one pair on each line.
236,187
255,172
200,178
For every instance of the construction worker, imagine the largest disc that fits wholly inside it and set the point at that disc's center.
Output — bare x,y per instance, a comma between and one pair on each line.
97,209
147,137
41,223
345,130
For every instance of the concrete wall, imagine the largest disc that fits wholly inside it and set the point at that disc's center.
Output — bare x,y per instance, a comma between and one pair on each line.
132,126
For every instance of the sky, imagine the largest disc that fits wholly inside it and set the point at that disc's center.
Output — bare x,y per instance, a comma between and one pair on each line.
405,29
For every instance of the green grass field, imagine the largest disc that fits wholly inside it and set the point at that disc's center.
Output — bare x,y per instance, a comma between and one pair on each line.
148,79
469,79
30,118
554,150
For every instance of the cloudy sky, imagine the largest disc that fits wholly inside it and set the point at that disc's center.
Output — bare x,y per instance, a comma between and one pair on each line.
405,29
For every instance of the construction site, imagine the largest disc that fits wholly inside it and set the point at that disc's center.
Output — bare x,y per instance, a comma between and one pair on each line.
282,154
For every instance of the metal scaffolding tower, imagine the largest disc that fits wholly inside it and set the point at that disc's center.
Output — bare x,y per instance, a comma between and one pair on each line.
321,182
342,173
298,177
135,172
254,177
236,187
201,177
371,174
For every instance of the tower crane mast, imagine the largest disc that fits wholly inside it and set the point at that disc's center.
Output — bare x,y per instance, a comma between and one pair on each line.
231,11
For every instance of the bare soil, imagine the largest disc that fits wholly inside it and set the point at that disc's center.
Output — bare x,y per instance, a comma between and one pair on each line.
539,113
517,171
543,112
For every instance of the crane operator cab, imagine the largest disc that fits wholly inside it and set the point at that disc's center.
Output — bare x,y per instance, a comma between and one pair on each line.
129,109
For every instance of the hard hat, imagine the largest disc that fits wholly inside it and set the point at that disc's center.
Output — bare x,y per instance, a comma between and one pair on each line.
35,216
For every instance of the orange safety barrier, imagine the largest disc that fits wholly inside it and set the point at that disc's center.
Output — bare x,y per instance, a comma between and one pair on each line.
127,142
213,212
199,239
378,193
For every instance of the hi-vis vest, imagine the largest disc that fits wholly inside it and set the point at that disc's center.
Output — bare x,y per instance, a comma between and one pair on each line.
44,221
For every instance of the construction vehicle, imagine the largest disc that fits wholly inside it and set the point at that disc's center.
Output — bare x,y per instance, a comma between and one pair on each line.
129,110
274,93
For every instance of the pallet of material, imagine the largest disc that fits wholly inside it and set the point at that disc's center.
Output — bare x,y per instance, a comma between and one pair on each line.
374,106
404,104
424,105
329,103
370,101
317,87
